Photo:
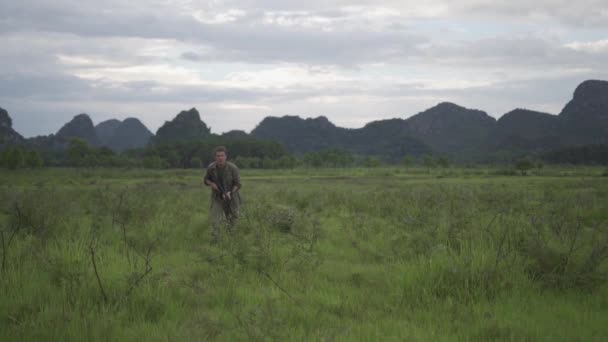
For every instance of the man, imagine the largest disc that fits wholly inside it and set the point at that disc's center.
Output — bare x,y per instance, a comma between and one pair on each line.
225,182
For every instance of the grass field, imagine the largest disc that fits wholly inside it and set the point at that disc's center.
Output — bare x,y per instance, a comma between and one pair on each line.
342,254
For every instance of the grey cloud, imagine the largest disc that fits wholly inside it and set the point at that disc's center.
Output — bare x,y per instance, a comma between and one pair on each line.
521,68
518,51
252,40
586,13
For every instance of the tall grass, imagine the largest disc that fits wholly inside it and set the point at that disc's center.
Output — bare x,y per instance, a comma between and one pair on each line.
362,254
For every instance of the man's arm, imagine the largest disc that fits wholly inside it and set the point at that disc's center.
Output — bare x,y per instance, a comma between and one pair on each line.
237,180
209,182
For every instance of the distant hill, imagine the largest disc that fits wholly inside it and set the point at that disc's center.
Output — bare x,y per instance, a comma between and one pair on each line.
120,136
300,135
525,131
385,137
187,125
105,130
8,136
594,154
306,135
81,126
455,131
235,134
585,117
452,130
445,129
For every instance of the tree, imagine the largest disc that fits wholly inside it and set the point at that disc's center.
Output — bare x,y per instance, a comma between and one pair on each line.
428,162
33,159
287,162
539,165
443,162
13,158
77,151
313,159
524,165
196,162
407,161
153,162
174,159
371,162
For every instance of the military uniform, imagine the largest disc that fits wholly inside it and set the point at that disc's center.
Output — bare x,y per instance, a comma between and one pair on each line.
223,211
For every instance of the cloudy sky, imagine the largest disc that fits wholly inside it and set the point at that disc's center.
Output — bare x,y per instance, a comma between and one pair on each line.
239,61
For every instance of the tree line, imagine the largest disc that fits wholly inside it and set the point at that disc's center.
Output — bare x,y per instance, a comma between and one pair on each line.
250,153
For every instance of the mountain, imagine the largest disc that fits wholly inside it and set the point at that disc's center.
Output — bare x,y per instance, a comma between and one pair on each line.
451,129
187,125
235,134
585,117
300,135
81,126
456,131
120,136
8,136
130,134
446,129
526,131
385,137
105,130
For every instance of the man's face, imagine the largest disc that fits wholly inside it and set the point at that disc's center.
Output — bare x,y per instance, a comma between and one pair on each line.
220,158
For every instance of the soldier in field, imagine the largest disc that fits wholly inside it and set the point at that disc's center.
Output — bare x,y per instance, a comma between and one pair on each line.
225,182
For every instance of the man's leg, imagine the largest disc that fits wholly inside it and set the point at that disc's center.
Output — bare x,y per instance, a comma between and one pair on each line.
217,219
232,212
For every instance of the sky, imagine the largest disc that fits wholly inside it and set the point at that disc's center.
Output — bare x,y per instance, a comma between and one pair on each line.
240,61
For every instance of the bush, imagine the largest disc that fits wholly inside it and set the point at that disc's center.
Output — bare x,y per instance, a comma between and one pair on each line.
524,165
556,263
504,172
283,217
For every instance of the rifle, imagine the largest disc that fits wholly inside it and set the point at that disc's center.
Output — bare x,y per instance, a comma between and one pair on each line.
220,188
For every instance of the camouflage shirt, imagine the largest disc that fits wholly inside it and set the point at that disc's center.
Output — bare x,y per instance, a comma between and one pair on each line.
226,178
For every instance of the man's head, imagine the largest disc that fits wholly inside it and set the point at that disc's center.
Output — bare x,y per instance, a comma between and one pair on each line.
220,156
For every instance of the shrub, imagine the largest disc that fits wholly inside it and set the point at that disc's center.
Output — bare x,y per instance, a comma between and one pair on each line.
524,165
282,217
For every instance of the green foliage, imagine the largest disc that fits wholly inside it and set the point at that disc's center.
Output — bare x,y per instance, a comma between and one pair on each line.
287,162
17,157
248,162
33,159
328,158
13,158
524,165
181,154
154,162
443,162
318,254
428,162
80,154
579,155
196,162
371,162
77,152
407,161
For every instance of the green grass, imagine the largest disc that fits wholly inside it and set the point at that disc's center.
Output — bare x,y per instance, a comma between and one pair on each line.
336,254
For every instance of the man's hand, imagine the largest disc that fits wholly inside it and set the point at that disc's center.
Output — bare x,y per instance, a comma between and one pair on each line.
227,196
214,186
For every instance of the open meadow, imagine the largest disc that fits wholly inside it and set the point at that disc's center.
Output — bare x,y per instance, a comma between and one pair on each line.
379,254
